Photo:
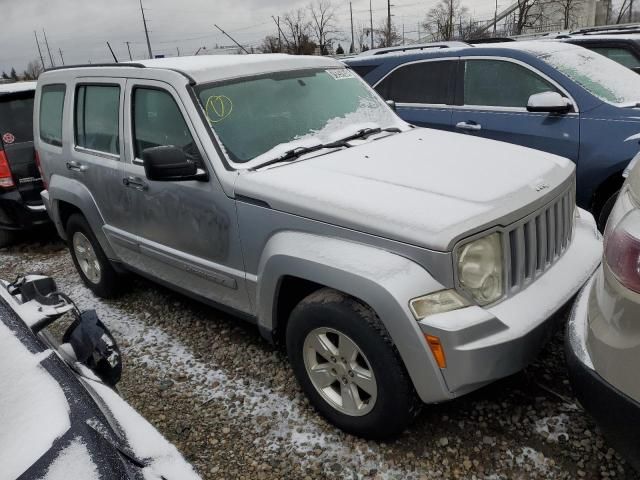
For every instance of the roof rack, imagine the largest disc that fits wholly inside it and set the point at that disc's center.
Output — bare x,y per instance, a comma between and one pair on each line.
479,41
409,48
89,65
609,29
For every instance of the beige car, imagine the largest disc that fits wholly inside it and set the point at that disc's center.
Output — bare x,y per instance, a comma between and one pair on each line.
603,337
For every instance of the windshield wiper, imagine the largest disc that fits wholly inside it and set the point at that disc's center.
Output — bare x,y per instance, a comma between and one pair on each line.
297,152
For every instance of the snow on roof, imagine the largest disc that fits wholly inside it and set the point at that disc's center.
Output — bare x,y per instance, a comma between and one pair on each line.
34,409
209,68
6,88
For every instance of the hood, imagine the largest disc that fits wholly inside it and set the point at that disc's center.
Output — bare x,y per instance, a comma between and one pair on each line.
424,187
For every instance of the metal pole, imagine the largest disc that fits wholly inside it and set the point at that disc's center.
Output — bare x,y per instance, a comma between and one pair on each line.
279,36
630,11
371,20
280,32
388,23
46,42
198,51
495,20
146,30
112,54
403,34
353,46
39,51
178,50
61,57
129,50
231,38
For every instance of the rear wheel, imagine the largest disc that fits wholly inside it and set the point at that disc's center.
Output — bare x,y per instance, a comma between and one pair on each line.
92,264
348,366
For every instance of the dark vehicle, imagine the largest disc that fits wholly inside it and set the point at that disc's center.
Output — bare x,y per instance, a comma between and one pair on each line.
619,43
21,207
61,417
546,95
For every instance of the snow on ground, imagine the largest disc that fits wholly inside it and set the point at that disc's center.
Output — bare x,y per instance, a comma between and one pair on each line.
553,428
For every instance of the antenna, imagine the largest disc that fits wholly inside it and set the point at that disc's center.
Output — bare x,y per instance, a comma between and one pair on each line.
129,50
146,30
46,42
39,51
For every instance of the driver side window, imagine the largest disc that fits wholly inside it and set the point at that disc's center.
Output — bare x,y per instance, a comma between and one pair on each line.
497,83
157,121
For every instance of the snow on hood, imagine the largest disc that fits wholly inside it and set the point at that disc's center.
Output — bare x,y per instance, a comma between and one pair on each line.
146,442
33,408
424,187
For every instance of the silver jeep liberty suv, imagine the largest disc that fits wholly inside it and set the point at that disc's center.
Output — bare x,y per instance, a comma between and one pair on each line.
396,264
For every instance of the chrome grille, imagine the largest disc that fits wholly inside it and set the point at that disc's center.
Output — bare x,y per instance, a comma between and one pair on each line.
535,243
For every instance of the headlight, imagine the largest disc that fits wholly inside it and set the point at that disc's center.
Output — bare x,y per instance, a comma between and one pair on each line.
480,269
438,302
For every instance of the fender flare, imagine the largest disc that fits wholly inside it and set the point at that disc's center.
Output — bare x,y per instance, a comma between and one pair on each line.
383,280
73,192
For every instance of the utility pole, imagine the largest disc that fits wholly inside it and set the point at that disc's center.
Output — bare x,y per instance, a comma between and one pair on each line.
388,23
353,46
129,50
630,11
61,57
46,42
403,34
279,36
39,51
371,21
495,20
146,30
232,39
112,54
178,50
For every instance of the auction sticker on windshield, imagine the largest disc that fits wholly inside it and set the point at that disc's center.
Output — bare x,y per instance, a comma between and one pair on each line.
340,73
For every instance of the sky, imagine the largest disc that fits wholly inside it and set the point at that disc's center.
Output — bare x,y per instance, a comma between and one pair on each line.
81,28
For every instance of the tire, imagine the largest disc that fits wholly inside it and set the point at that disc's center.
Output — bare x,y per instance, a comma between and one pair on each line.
605,211
389,403
98,275
7,238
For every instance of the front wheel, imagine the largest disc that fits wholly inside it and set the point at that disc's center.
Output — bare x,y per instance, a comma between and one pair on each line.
348,366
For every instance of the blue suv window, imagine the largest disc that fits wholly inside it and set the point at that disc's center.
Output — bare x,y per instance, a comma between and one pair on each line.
424,82
497,83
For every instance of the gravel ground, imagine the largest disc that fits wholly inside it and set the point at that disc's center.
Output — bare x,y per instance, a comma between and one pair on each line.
229,402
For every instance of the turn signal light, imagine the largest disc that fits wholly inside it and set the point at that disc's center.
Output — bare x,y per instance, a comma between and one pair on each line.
6,178
437,350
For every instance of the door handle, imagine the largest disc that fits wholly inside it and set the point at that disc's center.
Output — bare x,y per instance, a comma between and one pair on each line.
471,126
135,182
75,166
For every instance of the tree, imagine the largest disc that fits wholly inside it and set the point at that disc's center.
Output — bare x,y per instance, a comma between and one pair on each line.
5,76
296,33
568,10
362,39
382,33
270,44
33,71
13,74
443,18
323,17
339,50
528,14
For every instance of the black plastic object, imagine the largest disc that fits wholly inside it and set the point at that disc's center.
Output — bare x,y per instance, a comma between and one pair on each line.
95,347
38,290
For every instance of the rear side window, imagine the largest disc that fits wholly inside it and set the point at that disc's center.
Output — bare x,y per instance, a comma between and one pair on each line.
157,121
618,54
497,83
425,82
97,118
51,107
16,117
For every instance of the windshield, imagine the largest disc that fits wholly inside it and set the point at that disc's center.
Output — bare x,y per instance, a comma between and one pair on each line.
16,118
260,118
602,77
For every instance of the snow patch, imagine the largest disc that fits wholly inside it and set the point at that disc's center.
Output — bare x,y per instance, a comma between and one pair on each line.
74,462
17,87
532,458
553,428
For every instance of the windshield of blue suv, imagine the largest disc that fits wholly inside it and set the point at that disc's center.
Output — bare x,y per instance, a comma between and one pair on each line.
600,76
260,118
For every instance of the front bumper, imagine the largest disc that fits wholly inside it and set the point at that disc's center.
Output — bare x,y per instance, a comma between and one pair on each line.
485,344
616,414
15,214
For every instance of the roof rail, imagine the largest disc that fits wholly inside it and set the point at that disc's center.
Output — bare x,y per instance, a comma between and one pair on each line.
89,65
610,29
480,41
409,48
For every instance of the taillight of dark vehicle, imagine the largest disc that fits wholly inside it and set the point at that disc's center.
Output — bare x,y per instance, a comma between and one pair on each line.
6,177
622,251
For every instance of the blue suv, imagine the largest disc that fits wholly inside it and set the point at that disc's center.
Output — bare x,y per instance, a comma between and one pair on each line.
546,95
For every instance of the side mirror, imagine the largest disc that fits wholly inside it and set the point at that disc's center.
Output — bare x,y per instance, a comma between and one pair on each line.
169,163
548,102
392,104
